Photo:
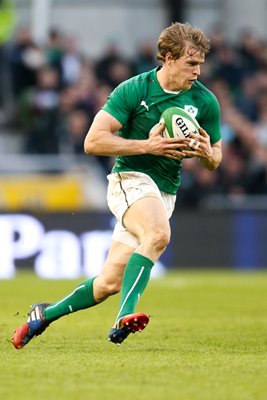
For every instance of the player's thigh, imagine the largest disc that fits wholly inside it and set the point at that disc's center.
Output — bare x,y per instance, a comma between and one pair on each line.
147,215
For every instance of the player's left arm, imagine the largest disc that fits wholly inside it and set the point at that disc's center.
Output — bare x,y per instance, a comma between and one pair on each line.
210,155
208,143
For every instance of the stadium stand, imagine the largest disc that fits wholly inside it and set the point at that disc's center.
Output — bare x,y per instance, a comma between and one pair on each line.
56,91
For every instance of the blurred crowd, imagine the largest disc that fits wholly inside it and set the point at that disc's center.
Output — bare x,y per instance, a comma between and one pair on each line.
237,74
55,92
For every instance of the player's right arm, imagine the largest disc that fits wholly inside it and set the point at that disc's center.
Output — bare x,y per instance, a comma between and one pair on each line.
102,139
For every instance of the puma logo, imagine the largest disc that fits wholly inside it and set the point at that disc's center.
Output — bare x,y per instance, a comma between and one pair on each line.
143,103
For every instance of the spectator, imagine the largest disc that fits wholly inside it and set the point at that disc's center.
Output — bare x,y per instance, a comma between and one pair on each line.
35,101
54,51
7,23
58,92
145,57
229,68
246,102
25,60
113,68
71,134
250,49
71,62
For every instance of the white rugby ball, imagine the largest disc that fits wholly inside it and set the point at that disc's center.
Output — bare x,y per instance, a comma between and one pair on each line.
178,123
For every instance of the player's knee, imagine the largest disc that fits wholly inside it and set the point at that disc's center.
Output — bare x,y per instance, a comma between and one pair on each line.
160,239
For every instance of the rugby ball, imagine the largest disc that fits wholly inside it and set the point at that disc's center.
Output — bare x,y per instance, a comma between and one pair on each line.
178,123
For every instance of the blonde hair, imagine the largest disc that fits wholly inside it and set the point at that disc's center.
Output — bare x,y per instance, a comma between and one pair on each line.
177,37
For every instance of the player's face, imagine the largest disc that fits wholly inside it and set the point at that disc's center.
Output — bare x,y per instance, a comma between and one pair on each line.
185,70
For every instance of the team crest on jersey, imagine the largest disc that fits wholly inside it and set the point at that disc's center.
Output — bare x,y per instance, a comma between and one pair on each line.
191,110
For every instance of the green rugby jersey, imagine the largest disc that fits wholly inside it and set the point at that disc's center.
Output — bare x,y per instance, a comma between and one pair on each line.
138,104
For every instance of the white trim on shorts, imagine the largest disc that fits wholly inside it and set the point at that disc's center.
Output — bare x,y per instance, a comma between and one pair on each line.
124,189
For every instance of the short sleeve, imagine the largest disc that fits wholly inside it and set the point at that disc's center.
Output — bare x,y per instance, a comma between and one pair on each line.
119,103
211,122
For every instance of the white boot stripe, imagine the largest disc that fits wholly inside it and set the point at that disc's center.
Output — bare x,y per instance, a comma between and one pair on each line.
37,313
32,316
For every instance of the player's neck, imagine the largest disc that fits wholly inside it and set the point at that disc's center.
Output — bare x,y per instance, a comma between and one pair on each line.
165,81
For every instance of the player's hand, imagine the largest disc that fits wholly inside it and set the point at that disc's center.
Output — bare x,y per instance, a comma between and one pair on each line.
167,147
198,145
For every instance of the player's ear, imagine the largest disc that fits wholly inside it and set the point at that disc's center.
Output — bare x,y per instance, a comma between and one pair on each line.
169,57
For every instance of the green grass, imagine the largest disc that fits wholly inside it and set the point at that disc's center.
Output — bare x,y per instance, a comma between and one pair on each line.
207,340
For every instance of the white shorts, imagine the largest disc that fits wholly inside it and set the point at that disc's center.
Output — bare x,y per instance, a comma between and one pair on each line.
124,189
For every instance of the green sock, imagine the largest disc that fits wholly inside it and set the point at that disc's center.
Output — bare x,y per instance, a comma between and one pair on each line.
135,280
81,297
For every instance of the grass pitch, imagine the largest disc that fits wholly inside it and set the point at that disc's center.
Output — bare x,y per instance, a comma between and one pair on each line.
206,340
